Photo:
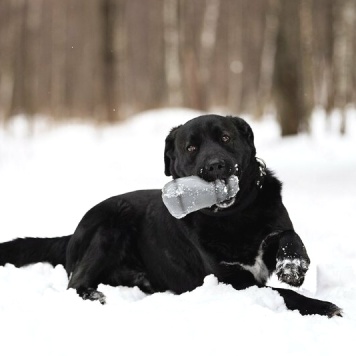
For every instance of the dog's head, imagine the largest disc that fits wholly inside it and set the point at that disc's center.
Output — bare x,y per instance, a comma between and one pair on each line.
213,147
209,146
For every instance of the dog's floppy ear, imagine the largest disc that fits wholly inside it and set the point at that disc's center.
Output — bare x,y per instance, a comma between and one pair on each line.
169,151
245,129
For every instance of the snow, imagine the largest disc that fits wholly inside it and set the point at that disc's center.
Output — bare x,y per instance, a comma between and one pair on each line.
51,177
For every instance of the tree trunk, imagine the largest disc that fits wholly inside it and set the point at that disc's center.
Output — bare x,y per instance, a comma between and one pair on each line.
307,100
172,63
109,59
267,57
207,46
287,90
343,55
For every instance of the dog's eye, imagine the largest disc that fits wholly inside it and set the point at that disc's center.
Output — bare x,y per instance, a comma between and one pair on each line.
225,138
192,148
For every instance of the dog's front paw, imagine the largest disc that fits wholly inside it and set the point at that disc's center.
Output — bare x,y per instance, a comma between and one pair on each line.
292,271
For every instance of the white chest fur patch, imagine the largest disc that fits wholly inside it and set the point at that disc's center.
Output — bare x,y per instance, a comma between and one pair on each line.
258,269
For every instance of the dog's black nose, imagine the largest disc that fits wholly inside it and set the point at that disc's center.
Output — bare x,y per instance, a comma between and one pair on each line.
216,169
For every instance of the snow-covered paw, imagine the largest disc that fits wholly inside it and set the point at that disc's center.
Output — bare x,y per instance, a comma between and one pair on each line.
93,294
292,271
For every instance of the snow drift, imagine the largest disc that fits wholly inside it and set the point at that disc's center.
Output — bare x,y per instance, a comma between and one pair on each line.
49,179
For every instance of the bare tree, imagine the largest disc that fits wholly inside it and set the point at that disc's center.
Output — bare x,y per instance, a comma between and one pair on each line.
264,93
288,75
306,65
345,18
172,65
207,46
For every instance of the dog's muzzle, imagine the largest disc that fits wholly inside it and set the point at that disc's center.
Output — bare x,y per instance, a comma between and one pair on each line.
215,168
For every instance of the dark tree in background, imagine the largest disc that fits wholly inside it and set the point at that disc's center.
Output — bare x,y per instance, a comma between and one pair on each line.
292,89
109,18
105,60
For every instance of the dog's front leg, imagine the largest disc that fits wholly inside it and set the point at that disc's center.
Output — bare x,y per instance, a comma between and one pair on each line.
308,306
292,259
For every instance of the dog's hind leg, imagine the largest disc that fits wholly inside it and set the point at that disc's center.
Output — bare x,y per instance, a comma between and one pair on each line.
86,274
103,250
105,254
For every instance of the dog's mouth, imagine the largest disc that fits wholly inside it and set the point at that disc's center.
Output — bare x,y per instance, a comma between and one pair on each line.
231,193
226,204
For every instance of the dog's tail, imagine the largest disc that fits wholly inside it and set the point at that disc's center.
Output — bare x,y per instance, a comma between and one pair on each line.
22,252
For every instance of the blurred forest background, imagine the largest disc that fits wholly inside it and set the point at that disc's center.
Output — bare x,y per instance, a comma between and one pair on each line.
104,60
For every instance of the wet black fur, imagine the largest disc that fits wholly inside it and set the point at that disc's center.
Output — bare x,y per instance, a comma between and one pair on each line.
132,240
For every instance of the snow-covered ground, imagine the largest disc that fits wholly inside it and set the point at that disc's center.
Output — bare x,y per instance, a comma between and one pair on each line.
50,178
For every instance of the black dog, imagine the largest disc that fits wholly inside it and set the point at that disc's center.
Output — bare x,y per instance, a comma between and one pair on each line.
132,240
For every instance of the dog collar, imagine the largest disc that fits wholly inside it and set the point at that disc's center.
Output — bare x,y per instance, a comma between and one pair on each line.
262,172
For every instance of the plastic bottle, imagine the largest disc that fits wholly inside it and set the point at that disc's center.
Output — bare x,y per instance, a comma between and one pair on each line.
182,196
